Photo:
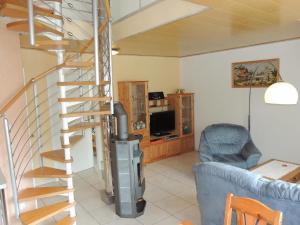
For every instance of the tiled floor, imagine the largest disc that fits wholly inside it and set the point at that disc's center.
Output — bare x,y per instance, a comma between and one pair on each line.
170,194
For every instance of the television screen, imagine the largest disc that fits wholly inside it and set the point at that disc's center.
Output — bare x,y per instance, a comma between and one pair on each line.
162,122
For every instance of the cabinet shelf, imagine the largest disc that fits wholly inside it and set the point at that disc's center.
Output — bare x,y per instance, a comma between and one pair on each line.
134,97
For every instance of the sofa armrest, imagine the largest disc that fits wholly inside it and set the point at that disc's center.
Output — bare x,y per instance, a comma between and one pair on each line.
251,154
204,152
205,157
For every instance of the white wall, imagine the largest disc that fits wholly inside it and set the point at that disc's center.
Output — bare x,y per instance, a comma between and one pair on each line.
121,8
275,129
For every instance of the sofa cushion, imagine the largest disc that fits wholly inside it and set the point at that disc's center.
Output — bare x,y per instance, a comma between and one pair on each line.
233,159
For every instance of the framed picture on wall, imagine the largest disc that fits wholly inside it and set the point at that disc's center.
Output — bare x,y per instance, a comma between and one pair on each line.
260,73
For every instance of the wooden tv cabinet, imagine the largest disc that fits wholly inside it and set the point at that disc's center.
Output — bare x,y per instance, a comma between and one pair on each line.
165,148
134,97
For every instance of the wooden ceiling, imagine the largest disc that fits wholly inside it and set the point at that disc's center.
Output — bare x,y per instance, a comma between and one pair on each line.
226,24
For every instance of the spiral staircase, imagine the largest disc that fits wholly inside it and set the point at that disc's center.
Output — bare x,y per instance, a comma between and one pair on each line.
54,110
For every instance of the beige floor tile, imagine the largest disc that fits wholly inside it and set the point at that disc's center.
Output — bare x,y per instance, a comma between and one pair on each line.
192,213
86,192
169,221
88,173
125,221
95,179
189,195
92,202
152,215
154,193
172,204
104,215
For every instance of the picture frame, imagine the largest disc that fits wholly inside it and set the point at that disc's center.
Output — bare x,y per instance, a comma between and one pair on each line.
257,74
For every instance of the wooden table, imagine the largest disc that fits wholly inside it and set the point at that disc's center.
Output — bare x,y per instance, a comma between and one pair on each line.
279,170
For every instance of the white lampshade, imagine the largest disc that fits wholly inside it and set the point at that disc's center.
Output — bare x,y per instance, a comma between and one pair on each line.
281,93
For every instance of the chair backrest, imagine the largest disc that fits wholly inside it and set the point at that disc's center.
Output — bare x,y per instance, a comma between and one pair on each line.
250,212
225,138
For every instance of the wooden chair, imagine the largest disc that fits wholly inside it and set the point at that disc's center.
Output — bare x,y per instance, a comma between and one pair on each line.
250,212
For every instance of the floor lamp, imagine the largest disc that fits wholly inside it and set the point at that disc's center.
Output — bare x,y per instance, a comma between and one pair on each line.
280,93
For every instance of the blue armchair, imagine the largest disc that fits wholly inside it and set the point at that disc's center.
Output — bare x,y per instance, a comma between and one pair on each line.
230,144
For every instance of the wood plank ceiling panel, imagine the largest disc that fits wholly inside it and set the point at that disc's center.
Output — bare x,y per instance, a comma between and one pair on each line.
227,24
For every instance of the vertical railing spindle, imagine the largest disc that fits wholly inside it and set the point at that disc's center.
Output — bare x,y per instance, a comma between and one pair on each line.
11,165
38,121
96,40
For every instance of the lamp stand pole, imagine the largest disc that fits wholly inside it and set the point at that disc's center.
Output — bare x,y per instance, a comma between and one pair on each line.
249,102
251,77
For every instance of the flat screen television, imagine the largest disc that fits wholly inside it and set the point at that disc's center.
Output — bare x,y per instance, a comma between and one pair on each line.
161,123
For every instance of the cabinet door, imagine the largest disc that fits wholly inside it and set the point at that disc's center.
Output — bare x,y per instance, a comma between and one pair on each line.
187,114
147,156
138,106
158,151
173,147
187,143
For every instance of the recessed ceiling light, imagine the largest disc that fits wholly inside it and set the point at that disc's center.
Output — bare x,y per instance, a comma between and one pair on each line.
115,51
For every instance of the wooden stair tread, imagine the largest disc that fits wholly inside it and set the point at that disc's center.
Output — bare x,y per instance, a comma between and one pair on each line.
36,216
20,11
85,113
52,44
56,155
42,192
23,3
73,140
81,126
81,83
73,45
78,64
59,1
47,172
84,99
23,26
66,221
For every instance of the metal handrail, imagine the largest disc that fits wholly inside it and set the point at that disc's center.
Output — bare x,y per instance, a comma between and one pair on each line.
27,105
27,163
26,119
28,151
30,136
30,125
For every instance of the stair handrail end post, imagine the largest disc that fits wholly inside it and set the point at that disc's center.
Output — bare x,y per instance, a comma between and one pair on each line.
11,165
110,66
96,40
31,22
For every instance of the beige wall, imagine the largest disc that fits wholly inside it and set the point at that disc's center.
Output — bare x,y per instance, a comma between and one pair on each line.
11,79
36,62
163,73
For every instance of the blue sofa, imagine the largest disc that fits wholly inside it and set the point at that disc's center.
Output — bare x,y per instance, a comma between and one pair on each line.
230,144
214,180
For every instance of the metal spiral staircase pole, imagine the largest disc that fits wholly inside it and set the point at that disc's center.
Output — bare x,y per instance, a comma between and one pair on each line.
65,125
